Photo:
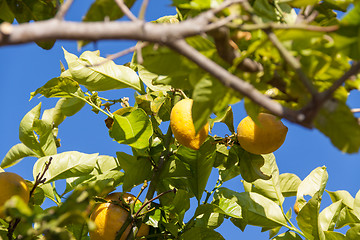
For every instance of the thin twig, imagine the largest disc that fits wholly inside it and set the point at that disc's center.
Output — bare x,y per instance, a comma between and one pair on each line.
354,69
63,9
143,9
153,199
144,186
39,179
120,54
292,61
126,10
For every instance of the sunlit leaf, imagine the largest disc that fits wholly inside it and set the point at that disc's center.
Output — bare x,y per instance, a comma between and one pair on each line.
256,209
37,134
65,165
133,129
16,154
308,218
58,87
313,183
329,216
289,184
342,195
270,188
99,74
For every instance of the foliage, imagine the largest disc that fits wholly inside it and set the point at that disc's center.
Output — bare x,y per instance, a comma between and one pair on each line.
176,172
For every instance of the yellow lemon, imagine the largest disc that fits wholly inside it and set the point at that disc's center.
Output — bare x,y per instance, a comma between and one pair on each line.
110,217
12,184
183,128
264,138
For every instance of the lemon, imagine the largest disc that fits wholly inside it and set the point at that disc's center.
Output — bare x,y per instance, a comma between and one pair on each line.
109,218
183,128
264,138
12,184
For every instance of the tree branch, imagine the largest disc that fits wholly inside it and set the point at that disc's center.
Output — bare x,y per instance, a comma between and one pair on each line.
63,10
236,83
126,10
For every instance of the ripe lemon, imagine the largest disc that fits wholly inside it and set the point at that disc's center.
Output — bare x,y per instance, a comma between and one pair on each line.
109,218
183,128
12,184
264,138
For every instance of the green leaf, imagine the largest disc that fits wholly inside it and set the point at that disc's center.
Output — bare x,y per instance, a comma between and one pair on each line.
176,204
256,209
289,184
102,10
176,174
137,170
133,129
201,233
207,94
79,231
200,163
329,235
41,144
70,106
342,195
58,87
5,12
148,78
65,165
302,3
16,154
229,207
251,164
329,216
207,216
346,217
16,207
28,10
105,76
356,208
270,188
313,183
346,36
107,172
308,218
288,236
337,122
353,233
226,117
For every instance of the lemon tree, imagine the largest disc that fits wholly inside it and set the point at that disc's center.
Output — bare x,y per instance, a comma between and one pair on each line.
291,61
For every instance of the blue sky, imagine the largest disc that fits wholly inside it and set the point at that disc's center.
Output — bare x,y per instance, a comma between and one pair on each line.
26,67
